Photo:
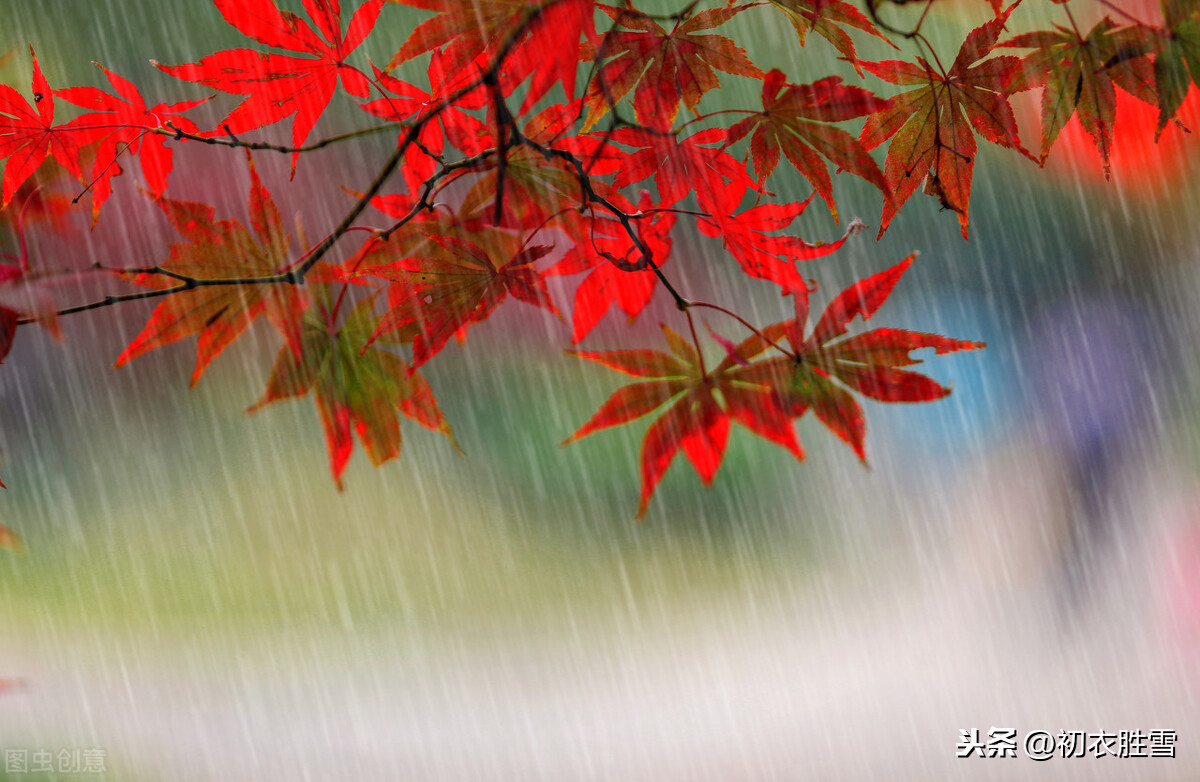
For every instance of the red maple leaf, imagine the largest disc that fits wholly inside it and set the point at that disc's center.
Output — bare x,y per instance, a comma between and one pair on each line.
46,197
549,53
465,29
793,122
932,124
824,17
26,294
277,85
28,134
119,122
765,257
602,242
698,422
11,310
544,35
220,250
441,284
666,67
825,365
406,102
679,166
1177,66
356,388
1079,74
541,186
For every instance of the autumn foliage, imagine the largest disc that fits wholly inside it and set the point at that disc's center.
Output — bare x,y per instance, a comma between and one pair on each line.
564,138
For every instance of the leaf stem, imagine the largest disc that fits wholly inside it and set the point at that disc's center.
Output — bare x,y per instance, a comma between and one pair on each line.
696,340
1117,9
747,324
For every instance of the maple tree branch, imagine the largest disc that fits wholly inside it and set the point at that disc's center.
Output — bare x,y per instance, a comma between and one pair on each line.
504,124
571,153
509,136
393,161
108,301
389,167
187,284
170,130
430,185
591,196
190,282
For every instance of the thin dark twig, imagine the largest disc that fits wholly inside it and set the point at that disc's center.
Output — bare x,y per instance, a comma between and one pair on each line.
171,130
591,196
108,301
188,284
430,185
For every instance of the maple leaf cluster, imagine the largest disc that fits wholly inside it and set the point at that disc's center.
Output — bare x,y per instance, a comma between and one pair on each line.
560,138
